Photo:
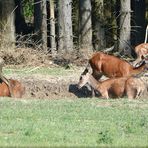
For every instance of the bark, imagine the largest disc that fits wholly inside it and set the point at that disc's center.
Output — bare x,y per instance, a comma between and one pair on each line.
52,28
99,40
65,34
85,25
37,20
44,25
146,32
7,27
20,24
125,27
40,22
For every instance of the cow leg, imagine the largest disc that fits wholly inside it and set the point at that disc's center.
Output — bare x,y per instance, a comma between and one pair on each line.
139,92
97,76
130,93
137,61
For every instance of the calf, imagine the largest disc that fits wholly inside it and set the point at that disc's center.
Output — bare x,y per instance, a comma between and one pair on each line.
17,89
114,87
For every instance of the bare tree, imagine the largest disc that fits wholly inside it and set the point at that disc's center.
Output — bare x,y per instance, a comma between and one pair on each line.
20,23
52,27
146,31
37,18
85,26
125,26
99,40
40,22
44,25
65,34
7,27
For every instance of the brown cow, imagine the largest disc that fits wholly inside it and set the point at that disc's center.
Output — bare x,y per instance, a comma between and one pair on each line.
114,87
111,66
16,87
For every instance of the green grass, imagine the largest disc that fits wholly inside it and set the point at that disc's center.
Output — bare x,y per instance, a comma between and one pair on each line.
65,122
57,71
78,122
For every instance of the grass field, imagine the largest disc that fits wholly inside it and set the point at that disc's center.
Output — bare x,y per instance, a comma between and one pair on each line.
56,71
73,122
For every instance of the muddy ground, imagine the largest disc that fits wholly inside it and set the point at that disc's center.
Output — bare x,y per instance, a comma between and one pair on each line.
46,86
51,87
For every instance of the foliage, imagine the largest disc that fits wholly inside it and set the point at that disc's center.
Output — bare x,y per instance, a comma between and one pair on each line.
28,8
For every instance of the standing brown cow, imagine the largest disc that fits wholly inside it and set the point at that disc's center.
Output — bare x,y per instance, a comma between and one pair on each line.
111,66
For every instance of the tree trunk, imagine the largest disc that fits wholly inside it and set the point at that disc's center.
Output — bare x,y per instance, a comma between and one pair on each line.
44,25
52,28
40,23
85,26
37,20
20,24
7,27
125,27
99,41
65,35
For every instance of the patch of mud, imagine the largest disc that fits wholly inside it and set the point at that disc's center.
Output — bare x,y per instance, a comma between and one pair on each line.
52,87
48,87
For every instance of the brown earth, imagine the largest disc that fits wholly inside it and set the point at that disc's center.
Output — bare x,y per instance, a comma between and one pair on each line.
51,87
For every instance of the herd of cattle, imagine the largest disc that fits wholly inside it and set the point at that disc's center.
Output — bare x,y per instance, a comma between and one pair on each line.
124,79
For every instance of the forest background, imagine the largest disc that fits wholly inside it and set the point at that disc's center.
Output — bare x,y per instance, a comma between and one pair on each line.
73,27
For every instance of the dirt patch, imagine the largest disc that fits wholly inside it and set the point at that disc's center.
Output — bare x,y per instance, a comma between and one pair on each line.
51,87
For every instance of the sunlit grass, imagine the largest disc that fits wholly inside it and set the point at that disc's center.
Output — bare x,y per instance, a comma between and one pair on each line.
71,122
57,71
78,122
